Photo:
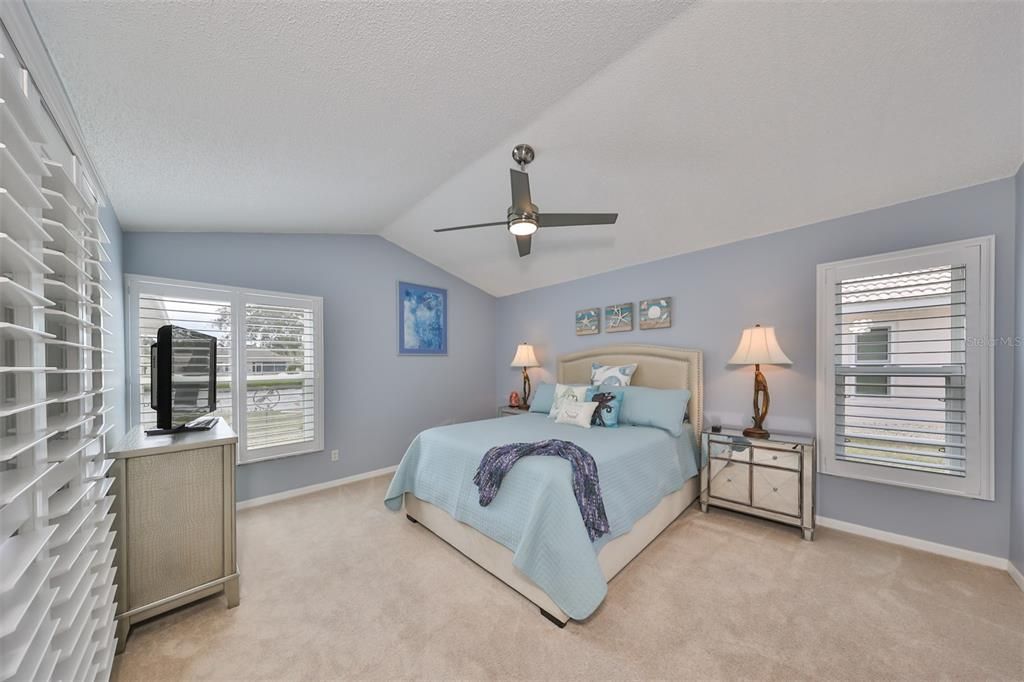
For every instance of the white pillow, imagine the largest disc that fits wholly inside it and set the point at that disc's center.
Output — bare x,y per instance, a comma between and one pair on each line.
577,414
564,394
609,375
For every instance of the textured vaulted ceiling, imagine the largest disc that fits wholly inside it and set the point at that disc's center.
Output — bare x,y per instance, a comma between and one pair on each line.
312,116
699,123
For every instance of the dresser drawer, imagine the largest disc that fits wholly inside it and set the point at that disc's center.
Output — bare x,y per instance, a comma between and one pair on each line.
776,490
789,459
730,481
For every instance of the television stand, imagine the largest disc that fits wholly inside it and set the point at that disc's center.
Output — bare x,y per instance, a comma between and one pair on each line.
174,522
200,424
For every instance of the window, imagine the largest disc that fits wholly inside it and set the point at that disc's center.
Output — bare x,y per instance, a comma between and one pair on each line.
269,351
872,347
905,368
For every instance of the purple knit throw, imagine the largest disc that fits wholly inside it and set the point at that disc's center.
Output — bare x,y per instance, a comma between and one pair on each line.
498,461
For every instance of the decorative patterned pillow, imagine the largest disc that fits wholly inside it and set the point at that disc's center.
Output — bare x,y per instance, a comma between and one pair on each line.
608,375
576,413
564,394
609,402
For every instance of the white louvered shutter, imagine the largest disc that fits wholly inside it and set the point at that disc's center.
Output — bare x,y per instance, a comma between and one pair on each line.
268,359
901,369
208,311
56,557
281,392
907,365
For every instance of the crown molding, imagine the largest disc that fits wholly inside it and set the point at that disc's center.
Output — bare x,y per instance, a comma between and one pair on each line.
32,51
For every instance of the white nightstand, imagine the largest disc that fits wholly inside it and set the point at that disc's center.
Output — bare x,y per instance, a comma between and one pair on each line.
506,411
768,477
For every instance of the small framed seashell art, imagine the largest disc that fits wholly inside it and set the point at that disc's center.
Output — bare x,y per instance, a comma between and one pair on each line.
588,321
656,313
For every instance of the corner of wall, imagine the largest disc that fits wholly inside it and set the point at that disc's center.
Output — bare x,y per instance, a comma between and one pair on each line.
1017,466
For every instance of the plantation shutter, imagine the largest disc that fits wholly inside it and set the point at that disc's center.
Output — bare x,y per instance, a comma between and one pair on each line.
268,359
900,388
56,555
281,392
205,311
907,368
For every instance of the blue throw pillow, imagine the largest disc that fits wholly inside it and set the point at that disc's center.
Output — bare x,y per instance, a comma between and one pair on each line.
543,397
659,407
609,403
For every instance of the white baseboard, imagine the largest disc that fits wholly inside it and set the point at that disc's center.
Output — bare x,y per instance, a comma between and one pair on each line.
316,487
1015,574
916,543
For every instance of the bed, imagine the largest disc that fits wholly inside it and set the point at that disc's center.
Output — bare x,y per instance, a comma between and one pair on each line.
531,536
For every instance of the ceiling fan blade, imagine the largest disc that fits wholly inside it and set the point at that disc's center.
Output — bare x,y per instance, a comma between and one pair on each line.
573,219
467,227
521,202
523,243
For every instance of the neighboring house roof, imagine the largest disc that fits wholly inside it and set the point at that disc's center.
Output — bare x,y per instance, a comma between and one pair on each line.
930,282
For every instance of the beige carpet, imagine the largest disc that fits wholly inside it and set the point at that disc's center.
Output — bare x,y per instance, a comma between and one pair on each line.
334,586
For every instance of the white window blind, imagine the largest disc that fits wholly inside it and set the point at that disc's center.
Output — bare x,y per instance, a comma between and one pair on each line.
268,387
281,382
204,311
905,368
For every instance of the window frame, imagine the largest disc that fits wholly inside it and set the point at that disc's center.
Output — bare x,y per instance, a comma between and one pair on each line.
238,297
978,256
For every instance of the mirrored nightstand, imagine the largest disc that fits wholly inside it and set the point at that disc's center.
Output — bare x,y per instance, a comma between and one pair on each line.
768,477
506,411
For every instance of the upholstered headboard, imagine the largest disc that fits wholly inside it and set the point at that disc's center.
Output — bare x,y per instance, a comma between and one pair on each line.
657,367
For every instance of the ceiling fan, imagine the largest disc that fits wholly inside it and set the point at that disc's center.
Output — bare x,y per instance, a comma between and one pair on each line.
523,217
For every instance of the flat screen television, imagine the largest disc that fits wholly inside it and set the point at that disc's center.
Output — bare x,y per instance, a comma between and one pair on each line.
183,370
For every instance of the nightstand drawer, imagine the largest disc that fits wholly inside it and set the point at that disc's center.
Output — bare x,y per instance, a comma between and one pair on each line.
776,490
778,458
730,481
733,451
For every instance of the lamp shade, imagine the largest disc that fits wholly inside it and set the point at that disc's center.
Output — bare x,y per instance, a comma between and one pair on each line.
524,356
758,346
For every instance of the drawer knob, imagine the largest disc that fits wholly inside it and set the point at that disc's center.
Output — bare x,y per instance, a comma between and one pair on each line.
775,490
728,480
775,456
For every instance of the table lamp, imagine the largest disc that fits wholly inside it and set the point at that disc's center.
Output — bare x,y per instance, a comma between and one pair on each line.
525,358
759,347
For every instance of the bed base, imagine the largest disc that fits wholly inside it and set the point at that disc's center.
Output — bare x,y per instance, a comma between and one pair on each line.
560,623
496,559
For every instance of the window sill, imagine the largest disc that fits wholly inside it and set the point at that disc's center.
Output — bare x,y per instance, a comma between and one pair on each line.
311,450
983,497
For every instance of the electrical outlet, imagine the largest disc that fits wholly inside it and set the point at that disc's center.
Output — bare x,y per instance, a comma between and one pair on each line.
334,455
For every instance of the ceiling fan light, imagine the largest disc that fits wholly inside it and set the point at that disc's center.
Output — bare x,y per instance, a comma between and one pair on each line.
522,227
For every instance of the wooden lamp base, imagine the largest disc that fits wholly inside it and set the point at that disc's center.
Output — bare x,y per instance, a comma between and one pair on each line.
761,401
526,390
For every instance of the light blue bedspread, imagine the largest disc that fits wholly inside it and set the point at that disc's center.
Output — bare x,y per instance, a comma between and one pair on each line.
535,513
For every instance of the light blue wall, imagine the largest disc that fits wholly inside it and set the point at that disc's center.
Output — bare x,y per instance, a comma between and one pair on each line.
115,341
375,401
771,280
1017,509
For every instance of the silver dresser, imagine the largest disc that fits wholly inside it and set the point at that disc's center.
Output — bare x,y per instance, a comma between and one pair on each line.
175,521
768,477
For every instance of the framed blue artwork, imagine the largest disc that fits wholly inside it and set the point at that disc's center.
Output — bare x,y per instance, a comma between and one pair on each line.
422,320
